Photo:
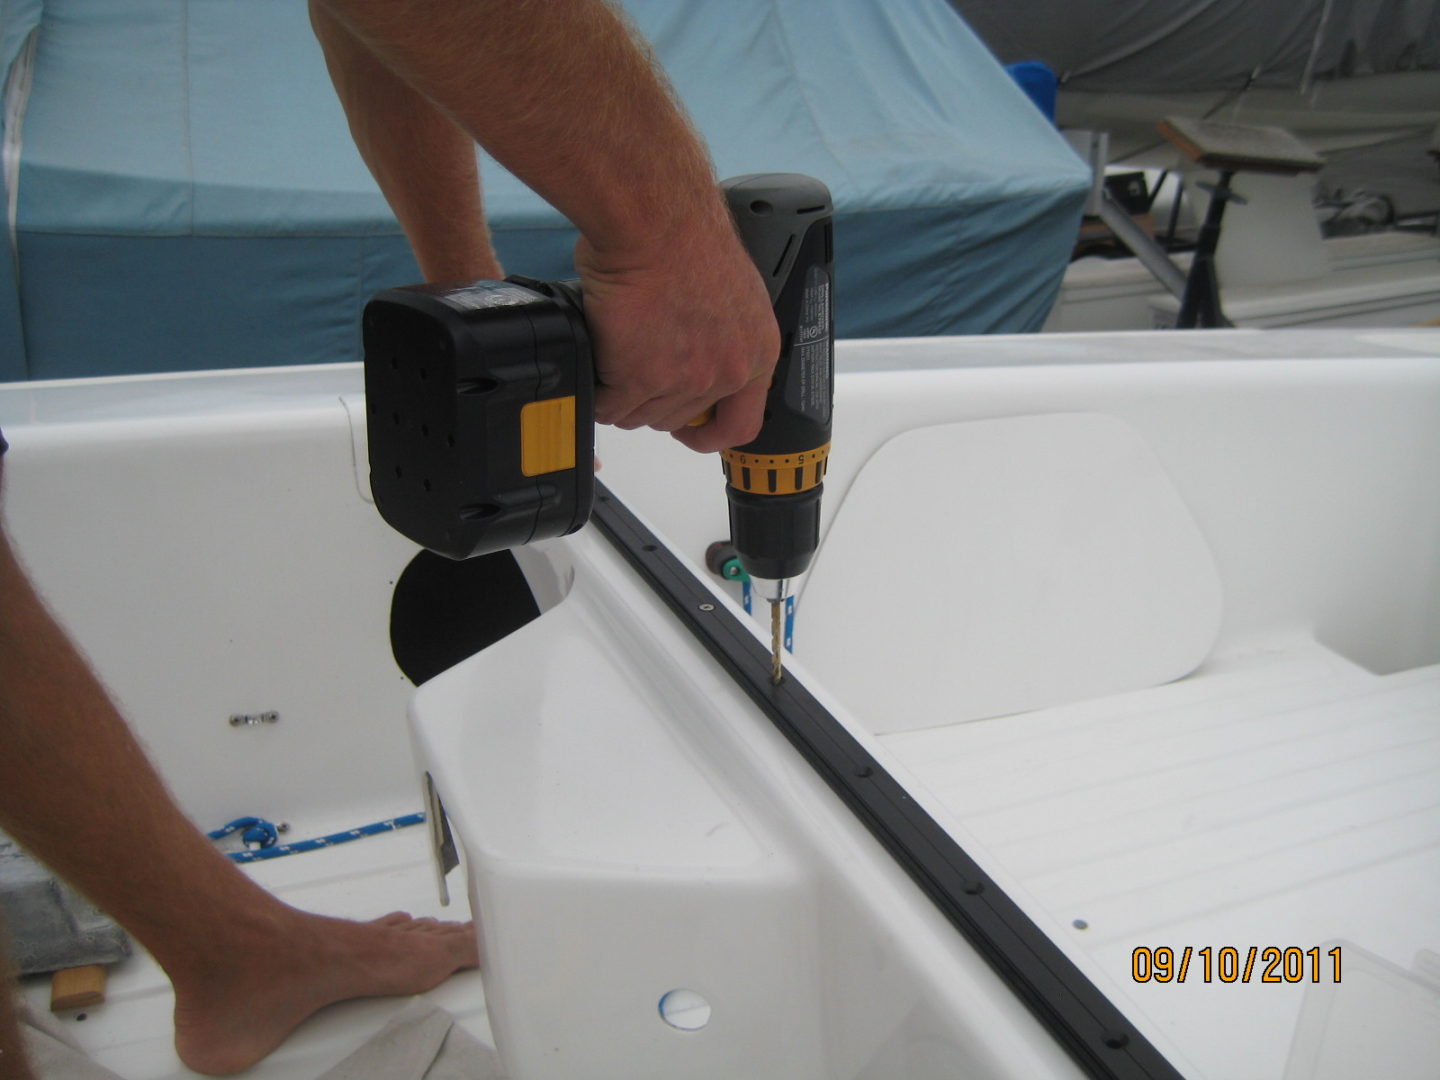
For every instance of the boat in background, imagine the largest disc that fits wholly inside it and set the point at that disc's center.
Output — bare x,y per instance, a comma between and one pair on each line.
216,211
1358,83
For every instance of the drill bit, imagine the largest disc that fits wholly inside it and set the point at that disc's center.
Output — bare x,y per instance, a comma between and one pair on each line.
777,673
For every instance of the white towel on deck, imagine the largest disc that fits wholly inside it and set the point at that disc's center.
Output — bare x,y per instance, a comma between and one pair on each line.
52,1054
422,1043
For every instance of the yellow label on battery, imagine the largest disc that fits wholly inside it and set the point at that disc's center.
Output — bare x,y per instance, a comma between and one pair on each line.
547,436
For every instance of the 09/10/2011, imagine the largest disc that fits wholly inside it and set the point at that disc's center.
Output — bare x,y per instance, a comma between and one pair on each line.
1262,964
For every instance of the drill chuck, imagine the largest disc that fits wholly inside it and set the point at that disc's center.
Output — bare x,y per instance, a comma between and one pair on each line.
775,535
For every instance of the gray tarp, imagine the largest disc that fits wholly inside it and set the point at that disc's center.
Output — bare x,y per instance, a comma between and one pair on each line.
1167,46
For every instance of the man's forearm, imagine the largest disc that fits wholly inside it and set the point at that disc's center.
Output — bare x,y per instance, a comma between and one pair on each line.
617,156
569,100
423,162
76,787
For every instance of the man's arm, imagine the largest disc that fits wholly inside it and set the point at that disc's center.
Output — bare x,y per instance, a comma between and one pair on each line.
563,95
422,161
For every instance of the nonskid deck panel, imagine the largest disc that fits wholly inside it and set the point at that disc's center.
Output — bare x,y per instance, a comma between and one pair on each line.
1284,798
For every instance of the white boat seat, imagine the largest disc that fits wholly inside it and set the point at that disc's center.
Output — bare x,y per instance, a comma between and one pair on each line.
998,566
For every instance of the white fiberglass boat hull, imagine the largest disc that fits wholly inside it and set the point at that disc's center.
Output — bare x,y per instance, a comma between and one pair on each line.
633,826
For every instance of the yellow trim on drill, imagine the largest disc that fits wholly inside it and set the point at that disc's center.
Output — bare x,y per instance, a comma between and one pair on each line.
775,474
547,436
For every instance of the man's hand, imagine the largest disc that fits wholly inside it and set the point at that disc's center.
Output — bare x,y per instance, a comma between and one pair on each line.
678,331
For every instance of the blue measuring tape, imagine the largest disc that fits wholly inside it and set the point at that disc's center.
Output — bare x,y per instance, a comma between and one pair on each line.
262,837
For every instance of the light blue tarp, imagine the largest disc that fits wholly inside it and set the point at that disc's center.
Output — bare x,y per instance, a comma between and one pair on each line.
187,195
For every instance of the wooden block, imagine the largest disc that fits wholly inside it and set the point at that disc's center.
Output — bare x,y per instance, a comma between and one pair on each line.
77,988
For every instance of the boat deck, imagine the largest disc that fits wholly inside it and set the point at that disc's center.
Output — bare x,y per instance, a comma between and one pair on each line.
1283,797
131,1032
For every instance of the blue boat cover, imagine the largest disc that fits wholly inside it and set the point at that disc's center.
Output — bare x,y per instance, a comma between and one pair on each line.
183,192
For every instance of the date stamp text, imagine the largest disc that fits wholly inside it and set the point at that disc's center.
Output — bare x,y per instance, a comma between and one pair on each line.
1228,964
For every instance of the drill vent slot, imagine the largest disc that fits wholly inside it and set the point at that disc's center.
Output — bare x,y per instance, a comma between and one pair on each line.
789,244
476,386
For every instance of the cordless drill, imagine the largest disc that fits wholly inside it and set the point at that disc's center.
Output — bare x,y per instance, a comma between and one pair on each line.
480,402
774,482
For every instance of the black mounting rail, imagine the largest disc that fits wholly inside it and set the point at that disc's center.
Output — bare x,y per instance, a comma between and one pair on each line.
1080,1018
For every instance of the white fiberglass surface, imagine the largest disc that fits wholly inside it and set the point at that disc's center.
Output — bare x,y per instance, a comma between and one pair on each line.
1277,808
1276,803
1281,795
204,540
639,837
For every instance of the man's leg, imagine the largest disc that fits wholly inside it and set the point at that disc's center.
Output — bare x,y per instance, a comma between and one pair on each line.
246,967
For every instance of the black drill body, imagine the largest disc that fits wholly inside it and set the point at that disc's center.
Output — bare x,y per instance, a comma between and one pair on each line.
774,482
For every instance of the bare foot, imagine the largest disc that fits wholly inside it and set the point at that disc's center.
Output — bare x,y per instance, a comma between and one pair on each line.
226,1020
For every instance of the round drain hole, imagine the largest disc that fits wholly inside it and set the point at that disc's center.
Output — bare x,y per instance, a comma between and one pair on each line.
685,1010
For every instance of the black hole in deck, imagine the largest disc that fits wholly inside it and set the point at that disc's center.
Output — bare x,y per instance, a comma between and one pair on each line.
443,611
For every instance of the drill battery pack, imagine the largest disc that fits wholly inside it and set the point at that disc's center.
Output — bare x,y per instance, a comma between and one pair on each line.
481,405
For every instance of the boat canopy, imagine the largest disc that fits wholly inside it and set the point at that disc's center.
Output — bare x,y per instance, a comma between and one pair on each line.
183,193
